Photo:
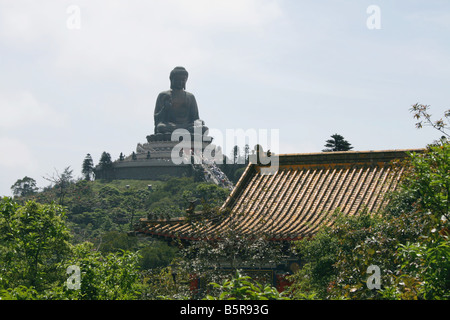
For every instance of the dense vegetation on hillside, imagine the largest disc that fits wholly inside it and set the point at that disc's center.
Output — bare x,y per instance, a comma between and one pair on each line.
92,222
102,212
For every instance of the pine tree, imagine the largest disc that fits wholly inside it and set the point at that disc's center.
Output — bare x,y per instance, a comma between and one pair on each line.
105,160
235,154
246,153
337,143
88,167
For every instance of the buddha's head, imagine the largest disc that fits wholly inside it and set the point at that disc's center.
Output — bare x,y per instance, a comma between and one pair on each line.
178,78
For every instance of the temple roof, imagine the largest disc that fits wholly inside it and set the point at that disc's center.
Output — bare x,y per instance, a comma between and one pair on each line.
297,199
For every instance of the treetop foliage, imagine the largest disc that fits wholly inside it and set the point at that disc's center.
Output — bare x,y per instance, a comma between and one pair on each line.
337,143
24,187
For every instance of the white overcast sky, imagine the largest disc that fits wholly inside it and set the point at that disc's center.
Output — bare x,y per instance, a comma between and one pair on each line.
75,84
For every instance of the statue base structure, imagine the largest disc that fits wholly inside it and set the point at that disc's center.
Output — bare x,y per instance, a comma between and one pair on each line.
161,158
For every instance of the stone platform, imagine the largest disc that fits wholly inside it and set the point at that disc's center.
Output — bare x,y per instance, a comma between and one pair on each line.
153,160
160,146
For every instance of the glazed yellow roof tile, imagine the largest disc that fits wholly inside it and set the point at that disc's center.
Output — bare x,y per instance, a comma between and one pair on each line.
295,201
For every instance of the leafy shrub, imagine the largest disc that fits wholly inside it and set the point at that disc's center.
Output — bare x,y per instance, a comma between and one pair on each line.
242,287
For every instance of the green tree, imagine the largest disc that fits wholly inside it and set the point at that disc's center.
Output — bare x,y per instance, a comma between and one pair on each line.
210,194
424,270
241,287
33,239
424,194
246,153
329,254
103,170
157,254
88,167
61,182
19,293
111,276
105,160
24,187
337,143
114,241
235,154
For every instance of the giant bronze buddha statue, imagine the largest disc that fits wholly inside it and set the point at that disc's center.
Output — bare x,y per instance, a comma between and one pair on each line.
177,108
